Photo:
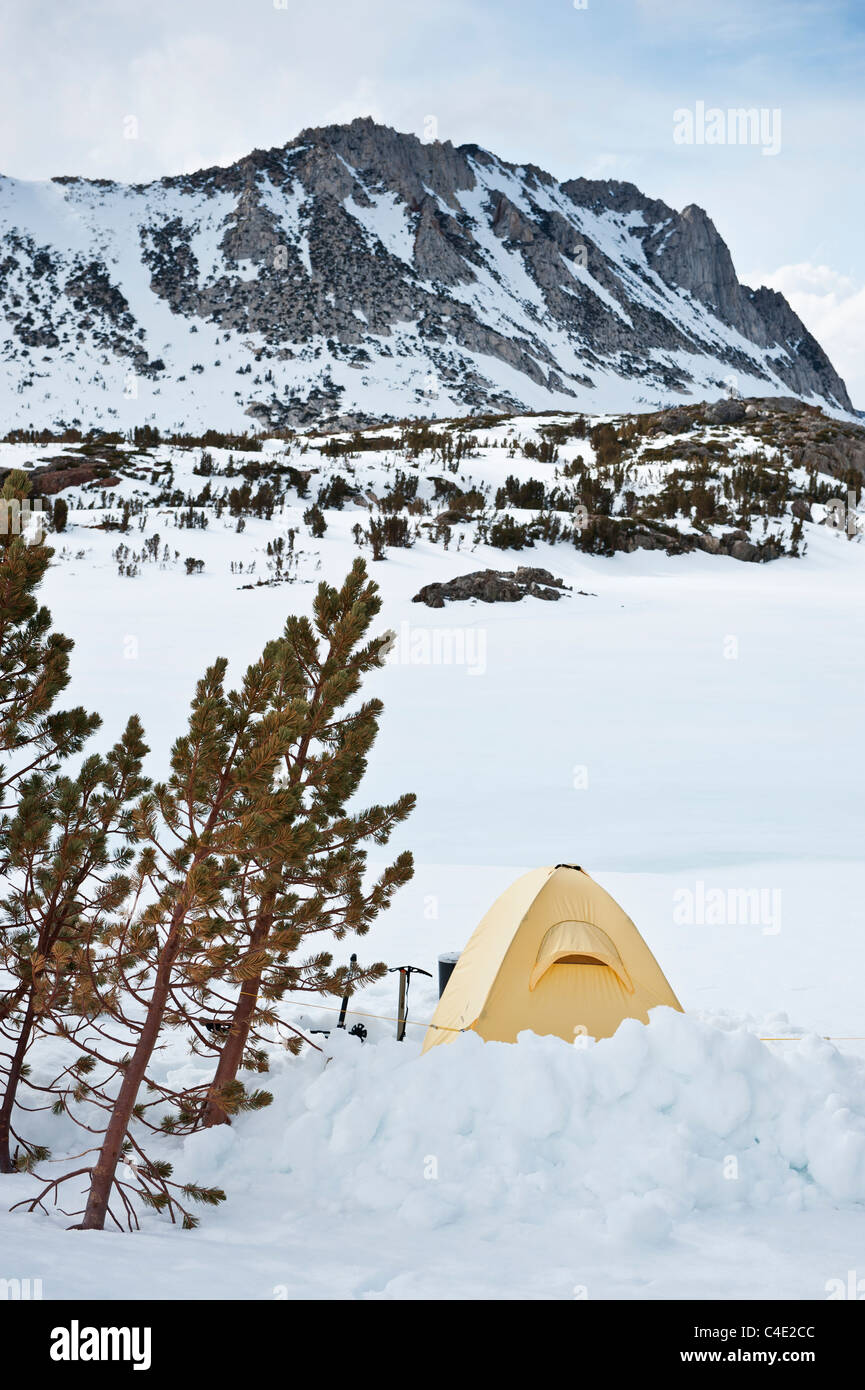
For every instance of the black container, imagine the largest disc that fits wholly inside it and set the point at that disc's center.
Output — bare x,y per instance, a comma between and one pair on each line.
446,968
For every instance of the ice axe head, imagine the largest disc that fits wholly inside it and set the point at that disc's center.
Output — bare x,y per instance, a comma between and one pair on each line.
405,974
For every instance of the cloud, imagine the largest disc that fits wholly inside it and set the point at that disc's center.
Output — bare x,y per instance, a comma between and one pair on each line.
832,307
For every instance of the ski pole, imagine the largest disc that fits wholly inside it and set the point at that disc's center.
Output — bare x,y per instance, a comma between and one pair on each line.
344,1007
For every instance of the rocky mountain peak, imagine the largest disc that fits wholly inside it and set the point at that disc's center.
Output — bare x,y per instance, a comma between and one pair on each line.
358,273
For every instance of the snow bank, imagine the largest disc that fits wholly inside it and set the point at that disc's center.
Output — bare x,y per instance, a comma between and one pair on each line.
635,1133
685,1159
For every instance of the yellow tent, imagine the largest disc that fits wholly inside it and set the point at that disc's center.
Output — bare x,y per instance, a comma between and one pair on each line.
554,954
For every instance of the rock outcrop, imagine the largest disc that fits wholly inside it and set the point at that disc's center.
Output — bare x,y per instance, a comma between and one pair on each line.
494,586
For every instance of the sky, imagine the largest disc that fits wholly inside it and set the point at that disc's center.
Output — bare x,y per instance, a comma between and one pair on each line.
134,89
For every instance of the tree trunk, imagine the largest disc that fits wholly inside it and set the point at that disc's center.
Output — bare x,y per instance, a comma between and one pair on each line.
232,1051
15,1068
235,1043
102,1178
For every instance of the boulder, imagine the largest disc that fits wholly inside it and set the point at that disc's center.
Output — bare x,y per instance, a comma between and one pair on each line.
725,412
672,422
493,586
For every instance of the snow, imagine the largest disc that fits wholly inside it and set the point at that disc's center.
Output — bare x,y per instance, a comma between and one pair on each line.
647,1165
585,277
385,221
690,728
289,207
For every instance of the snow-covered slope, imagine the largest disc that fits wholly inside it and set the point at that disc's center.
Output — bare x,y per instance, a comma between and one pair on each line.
680,725
357,273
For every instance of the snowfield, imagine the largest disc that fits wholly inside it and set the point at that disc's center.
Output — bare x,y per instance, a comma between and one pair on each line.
689,729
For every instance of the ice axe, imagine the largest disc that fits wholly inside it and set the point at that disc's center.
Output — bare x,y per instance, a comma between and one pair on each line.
405,974
358,1031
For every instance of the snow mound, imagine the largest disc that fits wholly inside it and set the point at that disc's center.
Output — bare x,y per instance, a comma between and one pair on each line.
634,1133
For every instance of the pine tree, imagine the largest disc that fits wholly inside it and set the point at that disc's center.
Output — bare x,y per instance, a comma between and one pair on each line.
34,666
247,848
67,849
34,740
302,872
189,827
376,537
126,963
315,519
